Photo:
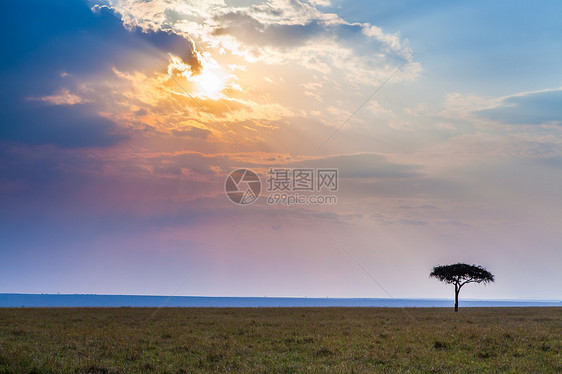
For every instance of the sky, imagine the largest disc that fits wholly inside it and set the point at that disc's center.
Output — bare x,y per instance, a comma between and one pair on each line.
120,122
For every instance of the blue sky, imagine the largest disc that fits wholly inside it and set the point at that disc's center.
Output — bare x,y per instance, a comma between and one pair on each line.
120,121
485,47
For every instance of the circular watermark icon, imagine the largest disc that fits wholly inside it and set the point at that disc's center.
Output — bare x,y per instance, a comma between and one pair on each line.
242,186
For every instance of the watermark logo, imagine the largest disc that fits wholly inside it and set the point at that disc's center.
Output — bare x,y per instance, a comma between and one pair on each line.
295,180
284,186
301,186
242,186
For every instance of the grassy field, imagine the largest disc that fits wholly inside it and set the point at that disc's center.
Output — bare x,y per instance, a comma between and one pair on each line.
286,340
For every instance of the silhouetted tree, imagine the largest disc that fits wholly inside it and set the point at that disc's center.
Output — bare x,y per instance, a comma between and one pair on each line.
461,274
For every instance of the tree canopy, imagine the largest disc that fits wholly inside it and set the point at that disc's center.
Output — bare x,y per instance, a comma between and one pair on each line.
462,274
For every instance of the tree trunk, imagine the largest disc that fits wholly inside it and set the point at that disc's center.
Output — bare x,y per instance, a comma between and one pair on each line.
457,289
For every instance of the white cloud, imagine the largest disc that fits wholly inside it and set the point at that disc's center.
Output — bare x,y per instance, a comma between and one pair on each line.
62,97
320,2
277,32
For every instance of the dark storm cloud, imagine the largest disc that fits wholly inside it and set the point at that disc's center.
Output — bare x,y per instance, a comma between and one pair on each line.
251,31
46,42
246,28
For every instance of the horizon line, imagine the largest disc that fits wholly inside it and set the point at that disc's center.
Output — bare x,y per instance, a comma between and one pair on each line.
280,297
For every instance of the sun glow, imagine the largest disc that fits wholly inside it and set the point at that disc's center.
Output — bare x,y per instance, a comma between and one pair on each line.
210,82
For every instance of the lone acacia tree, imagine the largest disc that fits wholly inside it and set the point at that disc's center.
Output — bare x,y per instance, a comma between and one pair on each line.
461,274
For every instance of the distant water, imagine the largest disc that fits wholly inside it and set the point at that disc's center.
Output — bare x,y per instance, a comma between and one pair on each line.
45,300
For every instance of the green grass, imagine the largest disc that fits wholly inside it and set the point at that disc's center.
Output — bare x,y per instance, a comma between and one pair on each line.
284,340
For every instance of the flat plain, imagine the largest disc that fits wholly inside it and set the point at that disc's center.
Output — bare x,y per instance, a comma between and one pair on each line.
280,340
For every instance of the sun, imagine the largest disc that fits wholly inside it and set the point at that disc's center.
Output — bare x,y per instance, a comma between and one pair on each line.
210,82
